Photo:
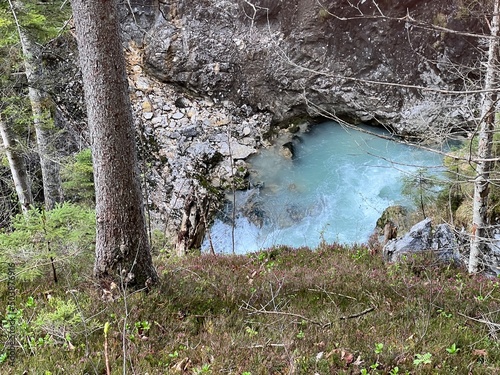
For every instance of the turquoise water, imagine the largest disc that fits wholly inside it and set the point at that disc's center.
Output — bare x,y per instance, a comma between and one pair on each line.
335,188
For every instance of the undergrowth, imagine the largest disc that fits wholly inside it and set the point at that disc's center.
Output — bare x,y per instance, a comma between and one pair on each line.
335,310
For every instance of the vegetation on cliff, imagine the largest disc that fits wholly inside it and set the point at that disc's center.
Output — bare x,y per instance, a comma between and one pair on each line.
335,310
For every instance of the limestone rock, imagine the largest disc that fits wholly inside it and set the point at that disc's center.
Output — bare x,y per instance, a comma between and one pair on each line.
445,243
255,74
442,241
146,106
142,83
237,150
177,115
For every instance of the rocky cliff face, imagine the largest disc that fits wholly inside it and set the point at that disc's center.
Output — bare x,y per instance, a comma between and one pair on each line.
320,57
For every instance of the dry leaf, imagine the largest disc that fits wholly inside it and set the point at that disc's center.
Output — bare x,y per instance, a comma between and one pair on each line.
349,358
480,352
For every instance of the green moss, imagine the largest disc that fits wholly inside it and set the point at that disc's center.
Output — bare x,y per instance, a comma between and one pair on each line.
323,14
440,19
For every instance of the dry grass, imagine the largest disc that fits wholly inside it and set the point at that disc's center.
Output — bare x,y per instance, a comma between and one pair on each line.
335,310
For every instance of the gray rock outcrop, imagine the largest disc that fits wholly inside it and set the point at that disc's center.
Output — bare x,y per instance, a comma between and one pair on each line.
421,237
315,57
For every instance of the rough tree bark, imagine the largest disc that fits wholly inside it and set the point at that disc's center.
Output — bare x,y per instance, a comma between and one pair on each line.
41,106
121,243
484,153
193,225
17,167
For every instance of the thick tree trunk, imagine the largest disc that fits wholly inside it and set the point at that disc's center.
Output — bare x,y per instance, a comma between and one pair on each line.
122,242
17,167
484,166
41,106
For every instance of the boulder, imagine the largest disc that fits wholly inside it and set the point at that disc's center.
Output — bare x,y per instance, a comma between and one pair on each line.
445,243
442,241
287,150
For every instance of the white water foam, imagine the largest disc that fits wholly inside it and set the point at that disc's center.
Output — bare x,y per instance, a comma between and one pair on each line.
335,189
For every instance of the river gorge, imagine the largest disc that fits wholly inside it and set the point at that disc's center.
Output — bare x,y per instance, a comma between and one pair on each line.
329,184
213,81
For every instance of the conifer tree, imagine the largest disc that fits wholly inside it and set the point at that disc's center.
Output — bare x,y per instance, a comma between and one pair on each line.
122,245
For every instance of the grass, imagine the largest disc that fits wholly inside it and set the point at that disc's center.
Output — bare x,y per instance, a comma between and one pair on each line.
335,310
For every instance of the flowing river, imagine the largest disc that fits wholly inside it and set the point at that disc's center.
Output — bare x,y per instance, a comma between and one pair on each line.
334,189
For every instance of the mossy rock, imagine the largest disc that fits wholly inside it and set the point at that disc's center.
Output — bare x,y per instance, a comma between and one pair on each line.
398,214
294,128
463,214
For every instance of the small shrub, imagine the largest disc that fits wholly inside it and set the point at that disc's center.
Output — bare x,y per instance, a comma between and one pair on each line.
78,178
61,234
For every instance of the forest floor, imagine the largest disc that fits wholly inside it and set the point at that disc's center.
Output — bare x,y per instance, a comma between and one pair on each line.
334,310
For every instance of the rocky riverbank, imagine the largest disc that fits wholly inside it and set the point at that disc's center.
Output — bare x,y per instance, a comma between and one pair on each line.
195,149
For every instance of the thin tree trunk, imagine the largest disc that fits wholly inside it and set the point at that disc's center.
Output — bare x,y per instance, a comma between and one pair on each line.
47,152
122,242
487,127
17,167
41,109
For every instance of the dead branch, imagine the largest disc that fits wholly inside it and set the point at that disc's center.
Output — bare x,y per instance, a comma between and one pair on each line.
406,18
252,311
366,311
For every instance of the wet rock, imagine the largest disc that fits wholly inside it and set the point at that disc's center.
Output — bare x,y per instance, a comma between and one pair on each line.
254,212
295,212
287,150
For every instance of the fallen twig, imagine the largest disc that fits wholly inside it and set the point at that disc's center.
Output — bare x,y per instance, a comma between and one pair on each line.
358,314
266,345
321,290
490,324
252,310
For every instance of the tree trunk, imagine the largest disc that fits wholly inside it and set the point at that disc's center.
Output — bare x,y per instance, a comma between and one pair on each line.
121,243
484,167
41,106
193,226
17,168
45,138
